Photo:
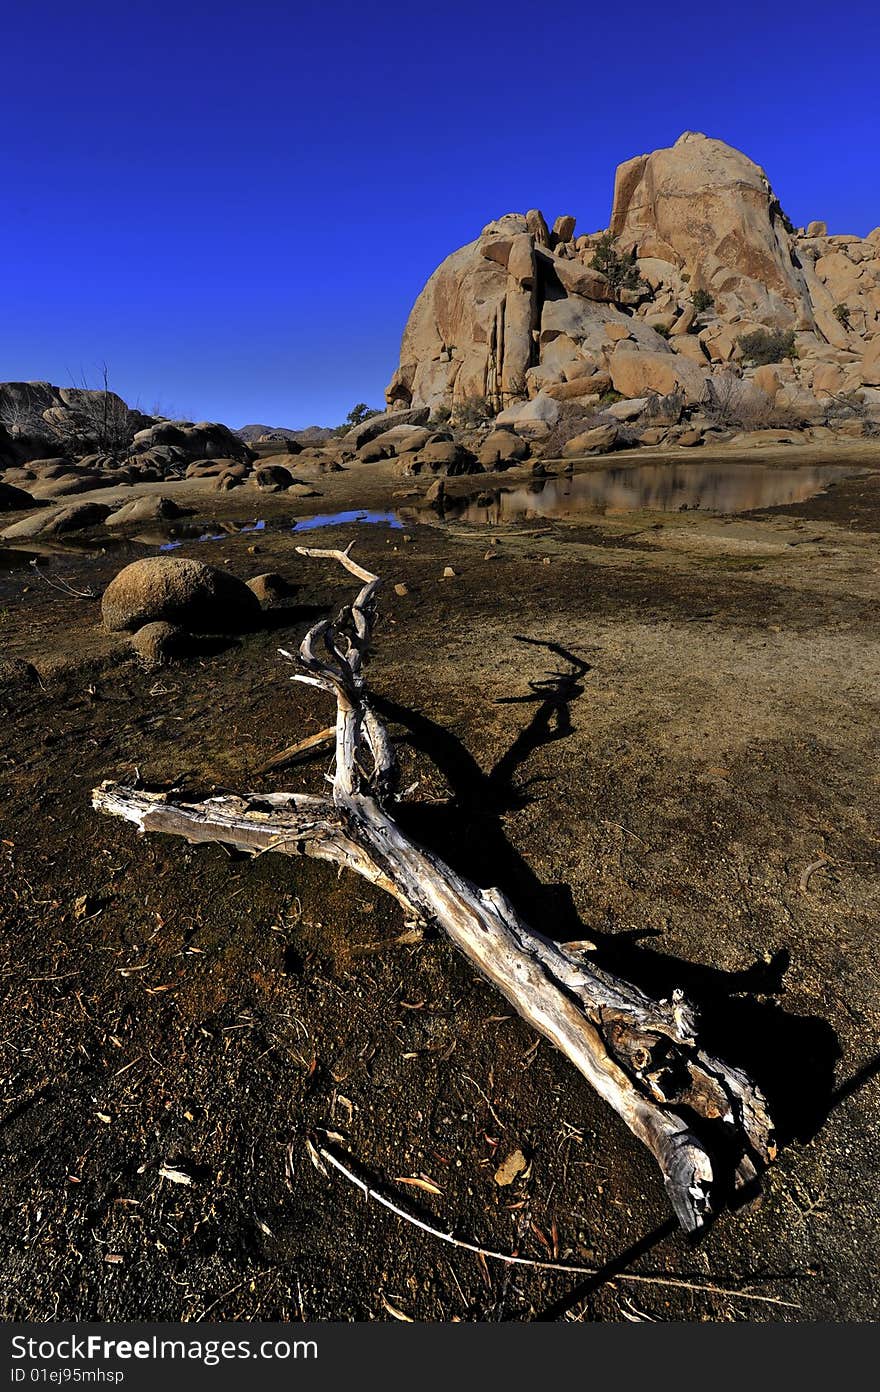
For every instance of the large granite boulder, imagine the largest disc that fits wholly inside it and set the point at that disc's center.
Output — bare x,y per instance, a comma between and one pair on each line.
716,210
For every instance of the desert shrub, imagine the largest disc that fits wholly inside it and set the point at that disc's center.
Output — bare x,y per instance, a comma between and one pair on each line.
841,314
768,346
845,406
777,211
732,404
573,420
702,300
609,397
621,271
664,410
473,412
661,329
440,417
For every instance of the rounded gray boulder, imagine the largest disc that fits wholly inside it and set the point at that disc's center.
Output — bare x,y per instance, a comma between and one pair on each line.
179,591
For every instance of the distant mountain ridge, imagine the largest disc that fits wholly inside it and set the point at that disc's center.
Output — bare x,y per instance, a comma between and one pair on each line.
311,434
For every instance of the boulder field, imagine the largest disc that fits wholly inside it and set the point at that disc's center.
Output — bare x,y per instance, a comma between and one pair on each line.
698,257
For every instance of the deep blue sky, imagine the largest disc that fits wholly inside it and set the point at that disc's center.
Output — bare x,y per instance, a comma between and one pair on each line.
236,205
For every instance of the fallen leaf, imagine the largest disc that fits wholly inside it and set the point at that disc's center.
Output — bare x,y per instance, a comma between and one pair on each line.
427,1184
395,1313
175,1176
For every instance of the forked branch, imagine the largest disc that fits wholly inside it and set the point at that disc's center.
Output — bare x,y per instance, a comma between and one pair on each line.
696,1114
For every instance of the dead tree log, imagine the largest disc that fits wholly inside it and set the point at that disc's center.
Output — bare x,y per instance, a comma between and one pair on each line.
643,1056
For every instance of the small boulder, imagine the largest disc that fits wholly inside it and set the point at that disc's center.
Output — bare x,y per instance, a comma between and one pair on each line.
636,374
160,641
689,438
373,452
14,499
627,410
67,485
180,591
377,425
150,508
269,588
78,517
563,228
442,457
273,476
502,447
16,672
595,441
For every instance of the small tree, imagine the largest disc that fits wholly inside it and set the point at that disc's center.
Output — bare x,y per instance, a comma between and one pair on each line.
360,413
474,411
21,414
621,272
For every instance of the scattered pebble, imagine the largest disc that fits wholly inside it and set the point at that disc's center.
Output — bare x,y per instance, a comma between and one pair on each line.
511,1167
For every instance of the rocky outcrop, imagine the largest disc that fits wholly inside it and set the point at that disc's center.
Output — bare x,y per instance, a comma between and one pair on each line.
707,209
699,254
57,521
191,440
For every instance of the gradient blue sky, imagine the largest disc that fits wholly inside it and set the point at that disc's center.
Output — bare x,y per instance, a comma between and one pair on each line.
236,205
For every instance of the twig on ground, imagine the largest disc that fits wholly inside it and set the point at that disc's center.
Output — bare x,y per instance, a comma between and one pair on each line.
639,1277
809,872
62,585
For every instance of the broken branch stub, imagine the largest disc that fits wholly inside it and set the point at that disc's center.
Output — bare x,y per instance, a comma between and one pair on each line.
643,1056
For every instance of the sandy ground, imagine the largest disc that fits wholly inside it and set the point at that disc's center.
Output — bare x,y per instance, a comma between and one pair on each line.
703,804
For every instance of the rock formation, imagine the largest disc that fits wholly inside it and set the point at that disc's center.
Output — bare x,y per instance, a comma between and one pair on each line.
523,319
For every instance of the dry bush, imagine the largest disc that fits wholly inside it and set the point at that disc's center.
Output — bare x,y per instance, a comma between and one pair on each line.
732,404
573,420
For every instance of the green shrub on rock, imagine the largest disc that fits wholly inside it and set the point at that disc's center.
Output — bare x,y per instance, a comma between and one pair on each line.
621,272
767,346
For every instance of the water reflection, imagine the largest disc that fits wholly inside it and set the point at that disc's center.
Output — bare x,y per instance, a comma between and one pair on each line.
387,518
720,488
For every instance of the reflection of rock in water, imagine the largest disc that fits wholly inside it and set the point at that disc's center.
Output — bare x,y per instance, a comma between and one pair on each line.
652,488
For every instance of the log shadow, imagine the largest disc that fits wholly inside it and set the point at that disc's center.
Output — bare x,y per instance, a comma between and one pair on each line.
292,615
791,1057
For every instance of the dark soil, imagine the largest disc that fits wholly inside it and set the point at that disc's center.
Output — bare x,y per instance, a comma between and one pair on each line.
699,797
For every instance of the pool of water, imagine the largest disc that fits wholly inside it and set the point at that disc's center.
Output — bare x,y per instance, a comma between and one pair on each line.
168,538
717,488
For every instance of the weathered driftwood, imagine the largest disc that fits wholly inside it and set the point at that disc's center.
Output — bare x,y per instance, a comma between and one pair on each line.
643,1056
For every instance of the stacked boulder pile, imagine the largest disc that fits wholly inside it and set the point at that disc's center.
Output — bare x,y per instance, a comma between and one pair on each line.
35,475
700,310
